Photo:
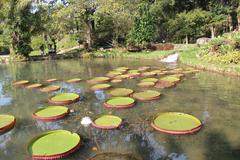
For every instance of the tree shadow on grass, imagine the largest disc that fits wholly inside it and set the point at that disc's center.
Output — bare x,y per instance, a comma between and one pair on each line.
218,148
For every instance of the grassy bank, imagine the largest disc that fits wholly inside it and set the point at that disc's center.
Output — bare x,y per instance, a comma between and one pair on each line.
190,57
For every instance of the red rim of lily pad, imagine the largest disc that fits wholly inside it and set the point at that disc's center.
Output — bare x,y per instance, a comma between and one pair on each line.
100,87
21,83
107,104
192,130
51,80
94,124
64,98
55,156
5,128
97,80
164,84
146,84
116,80
34,86
51,118
74,80
50,88
146,74
148,95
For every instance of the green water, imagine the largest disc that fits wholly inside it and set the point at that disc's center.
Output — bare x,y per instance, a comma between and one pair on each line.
212,98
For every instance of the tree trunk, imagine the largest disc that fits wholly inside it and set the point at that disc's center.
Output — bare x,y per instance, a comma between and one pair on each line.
89,34
186,39
213,32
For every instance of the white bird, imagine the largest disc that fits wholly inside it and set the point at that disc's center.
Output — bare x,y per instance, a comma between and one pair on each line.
86,121
171,58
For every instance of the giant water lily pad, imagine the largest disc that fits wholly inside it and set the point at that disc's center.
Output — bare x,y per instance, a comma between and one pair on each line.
51,80
50,88
120,102
146,84
64,98
143,68
113,74
150,80
54,144
177,123
116,80
7,122
20,83
164,84
97,80
51,113
74,80
107,122
147,95
113,156
148,74
36,85
123,76
121,92
99,87
171,79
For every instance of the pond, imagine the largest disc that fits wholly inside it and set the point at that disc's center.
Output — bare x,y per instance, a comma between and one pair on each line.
212,98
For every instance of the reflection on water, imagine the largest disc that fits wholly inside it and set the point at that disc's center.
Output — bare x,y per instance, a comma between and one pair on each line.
213,98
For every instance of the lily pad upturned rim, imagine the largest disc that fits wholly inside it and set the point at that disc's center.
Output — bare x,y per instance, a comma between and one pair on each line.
140,96
50,88
178,132
171,78
8,126
74,80
117,92
51,80
94,124
51,118
97,80
35,85
116,80
64,153
146,84
149,80
100,87
119,106
75,97
20,83
146,74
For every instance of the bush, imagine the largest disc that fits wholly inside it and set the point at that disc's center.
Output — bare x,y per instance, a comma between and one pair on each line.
4,50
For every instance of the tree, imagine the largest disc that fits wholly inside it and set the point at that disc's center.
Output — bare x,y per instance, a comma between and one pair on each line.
144,26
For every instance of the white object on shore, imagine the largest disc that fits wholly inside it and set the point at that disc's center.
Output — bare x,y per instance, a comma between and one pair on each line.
86,121
171,58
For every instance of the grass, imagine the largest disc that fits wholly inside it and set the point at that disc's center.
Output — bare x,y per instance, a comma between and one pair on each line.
190,57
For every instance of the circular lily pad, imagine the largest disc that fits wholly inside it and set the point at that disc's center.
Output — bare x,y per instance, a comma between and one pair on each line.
74,80
116,81
147,95
54,144
150,80
99,87
51,113
36,85
176,123
20,83
143,68
122,68
148,74
121,92
7,122
170,79
120,102
51,80
113,156
50,88
146,84
113,74
107,122
97,80
164,84
64,98
133,71
123,76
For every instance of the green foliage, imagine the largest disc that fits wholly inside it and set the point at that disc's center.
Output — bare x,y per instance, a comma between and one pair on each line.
144,26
